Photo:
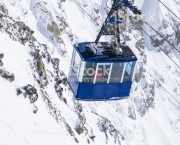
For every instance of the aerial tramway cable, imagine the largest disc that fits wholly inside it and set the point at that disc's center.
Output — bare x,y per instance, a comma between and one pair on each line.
168,9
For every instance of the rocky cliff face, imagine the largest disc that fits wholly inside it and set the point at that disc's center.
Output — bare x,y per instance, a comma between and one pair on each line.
38,37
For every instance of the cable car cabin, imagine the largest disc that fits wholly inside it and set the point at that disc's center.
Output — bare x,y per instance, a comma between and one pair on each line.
104,70
100,76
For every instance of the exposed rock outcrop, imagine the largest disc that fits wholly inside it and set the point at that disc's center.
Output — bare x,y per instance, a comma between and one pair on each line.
3,8
31,92
53,28
79,130
7,75
1,56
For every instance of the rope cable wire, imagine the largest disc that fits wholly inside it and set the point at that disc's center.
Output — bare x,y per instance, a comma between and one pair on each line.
150,74
157,31
138,63
160,85
158,46
88,15
168,9
159,34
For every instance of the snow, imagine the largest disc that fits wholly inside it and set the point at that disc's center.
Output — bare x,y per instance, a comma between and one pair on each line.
160,124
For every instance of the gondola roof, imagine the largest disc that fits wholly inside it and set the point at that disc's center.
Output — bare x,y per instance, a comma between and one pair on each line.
104,54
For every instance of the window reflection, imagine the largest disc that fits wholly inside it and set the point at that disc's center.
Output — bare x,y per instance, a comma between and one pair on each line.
103,72
76,64
116,73
89,72
128,71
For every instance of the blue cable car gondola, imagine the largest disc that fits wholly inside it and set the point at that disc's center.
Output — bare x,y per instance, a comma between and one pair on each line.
102,70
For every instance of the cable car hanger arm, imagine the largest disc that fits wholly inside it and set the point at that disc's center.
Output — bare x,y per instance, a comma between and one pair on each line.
116,4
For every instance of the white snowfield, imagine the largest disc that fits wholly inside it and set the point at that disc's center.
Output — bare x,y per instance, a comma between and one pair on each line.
151,114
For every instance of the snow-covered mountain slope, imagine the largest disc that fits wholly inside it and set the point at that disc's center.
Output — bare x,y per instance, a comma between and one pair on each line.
36,103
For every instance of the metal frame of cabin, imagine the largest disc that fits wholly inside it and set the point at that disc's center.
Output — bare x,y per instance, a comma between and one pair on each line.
100,72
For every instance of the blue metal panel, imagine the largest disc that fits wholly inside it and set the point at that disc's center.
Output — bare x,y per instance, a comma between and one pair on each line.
111,91
89,91
85,91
